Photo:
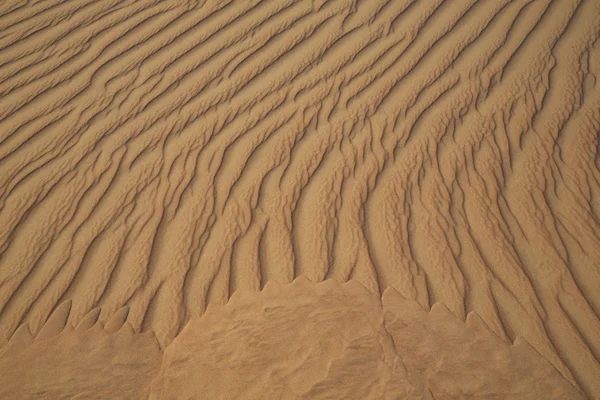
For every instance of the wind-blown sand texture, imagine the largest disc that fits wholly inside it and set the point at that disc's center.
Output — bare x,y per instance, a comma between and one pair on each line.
157,157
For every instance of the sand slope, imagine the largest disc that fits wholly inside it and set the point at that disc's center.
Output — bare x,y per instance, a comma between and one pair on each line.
161,155
331,341
90,361
300,340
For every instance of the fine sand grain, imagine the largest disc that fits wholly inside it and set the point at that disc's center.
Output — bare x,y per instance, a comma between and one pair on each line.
425,172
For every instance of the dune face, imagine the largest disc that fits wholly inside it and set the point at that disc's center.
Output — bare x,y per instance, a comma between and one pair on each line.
157,157
331,341
287,342
88,362
301,340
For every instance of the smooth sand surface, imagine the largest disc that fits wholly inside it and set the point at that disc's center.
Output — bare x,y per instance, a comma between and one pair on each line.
425,172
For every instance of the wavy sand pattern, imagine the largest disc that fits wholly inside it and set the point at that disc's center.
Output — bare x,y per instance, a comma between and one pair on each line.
158,156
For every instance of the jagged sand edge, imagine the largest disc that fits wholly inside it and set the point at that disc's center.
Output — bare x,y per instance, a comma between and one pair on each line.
56,327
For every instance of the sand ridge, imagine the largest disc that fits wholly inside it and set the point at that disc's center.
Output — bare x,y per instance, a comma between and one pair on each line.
158,156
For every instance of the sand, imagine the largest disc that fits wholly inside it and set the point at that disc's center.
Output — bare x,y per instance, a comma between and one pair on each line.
299,199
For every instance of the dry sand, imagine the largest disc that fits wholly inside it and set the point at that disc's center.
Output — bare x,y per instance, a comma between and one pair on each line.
299,199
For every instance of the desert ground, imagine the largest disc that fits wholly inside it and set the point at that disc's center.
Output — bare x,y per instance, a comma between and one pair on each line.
300,199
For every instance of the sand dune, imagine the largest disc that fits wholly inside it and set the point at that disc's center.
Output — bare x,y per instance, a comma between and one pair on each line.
314,341
90,361
299,340
158,156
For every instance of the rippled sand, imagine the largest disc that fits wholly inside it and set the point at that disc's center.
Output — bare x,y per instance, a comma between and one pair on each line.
254,199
